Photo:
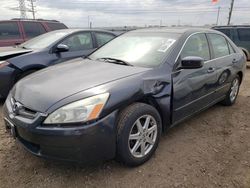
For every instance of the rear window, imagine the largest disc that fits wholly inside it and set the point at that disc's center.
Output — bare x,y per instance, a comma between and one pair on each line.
244,34
9,30
33,29
56,26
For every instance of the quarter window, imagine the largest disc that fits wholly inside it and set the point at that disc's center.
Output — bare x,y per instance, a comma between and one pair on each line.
56,26
244,34
33,29
9,30
80,41
103,38
196,45
219,45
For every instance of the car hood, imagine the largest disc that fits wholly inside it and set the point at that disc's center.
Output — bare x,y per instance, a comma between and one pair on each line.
43,89
8,52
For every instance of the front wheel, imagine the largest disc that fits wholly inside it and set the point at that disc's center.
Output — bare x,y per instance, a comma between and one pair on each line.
233,92
139,130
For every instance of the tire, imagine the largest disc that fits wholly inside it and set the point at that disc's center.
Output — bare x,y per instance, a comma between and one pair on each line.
129,137
233,92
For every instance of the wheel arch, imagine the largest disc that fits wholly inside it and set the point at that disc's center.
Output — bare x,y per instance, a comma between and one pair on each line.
240,74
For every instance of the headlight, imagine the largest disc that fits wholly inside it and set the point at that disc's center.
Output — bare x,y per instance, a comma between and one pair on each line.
79,111
3,64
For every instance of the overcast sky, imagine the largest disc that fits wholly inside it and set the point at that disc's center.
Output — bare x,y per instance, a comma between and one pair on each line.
110,13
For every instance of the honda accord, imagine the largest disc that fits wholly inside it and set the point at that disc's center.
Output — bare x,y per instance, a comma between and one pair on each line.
116,103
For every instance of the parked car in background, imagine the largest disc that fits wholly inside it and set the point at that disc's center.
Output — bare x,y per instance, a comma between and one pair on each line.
117,101
46,50
17,31
239,34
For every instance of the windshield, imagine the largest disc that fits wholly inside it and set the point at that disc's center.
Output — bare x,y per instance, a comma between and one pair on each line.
138,48
45,40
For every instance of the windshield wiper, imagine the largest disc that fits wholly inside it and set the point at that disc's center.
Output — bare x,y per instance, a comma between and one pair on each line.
114,60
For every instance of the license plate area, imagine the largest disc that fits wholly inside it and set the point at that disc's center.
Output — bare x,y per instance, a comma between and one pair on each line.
10,127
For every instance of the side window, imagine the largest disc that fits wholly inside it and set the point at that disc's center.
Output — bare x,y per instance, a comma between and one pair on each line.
196,45
9,30
103,38
55,26
80,41
219,45
244,34
33,29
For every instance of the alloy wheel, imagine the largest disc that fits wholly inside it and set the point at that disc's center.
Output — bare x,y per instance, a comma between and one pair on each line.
142,136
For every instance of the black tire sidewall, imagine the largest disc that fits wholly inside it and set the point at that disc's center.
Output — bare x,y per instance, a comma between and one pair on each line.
232,102
131,115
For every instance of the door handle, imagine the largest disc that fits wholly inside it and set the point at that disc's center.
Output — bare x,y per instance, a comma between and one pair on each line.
210,70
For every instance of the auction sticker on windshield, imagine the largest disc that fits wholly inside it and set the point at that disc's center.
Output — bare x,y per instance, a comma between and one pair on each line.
166,45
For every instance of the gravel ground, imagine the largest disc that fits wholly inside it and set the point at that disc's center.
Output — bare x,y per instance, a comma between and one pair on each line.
211,149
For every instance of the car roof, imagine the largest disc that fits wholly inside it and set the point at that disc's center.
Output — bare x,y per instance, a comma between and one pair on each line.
79,30
229,26
30,20
179,30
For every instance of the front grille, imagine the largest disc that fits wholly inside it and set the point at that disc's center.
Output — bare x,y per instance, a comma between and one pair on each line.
20,110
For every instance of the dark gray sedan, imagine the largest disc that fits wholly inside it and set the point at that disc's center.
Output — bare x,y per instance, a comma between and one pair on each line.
45,50
117,102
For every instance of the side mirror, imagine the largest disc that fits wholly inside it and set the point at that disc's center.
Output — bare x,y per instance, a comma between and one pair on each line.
62,48
192,62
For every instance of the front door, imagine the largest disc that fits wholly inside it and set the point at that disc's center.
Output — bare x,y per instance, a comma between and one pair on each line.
193,89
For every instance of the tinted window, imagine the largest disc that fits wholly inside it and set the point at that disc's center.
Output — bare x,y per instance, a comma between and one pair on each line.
244,34
80,41
225,31
33,29
219,45
196,45
103,38
9,30
56,26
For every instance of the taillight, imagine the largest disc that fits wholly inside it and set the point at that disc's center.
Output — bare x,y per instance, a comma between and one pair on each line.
3,64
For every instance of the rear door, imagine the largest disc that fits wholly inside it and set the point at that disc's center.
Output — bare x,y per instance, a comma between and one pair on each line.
10,33
225,58
80,45
193,89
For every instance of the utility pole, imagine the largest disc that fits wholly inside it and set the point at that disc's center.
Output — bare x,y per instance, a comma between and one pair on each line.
230,12
88,23
22,9
218,15
32,9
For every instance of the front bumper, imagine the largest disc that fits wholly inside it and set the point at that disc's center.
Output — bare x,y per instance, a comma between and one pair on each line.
84,143
7,80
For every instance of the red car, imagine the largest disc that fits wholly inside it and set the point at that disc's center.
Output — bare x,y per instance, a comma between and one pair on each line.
17,31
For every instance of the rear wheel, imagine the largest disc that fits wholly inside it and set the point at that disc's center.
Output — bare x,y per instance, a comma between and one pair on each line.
139,130
233,92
